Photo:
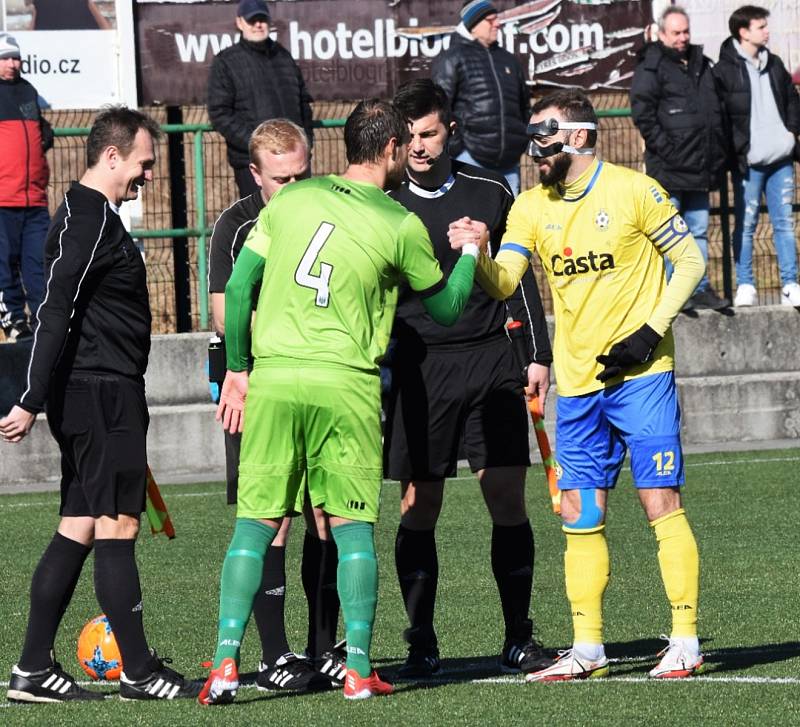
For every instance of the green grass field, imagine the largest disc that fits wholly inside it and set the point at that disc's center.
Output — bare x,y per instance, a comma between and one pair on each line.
743,506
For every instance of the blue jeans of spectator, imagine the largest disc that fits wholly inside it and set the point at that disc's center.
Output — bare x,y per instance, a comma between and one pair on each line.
511,174
693,207
777,182
22,234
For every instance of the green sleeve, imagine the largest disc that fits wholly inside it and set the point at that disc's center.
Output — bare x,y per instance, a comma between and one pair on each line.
247,273
447,304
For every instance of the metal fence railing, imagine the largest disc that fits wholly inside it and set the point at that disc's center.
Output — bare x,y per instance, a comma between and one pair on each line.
204,186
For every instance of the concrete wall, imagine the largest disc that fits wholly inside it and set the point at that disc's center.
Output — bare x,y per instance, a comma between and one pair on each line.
739,380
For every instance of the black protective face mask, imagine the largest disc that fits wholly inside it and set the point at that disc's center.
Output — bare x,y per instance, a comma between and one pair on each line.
550,127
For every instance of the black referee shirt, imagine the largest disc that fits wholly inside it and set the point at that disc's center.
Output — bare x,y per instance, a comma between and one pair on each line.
481,195
95,316
230,232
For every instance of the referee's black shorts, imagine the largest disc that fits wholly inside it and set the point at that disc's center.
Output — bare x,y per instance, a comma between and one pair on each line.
100,423
438,395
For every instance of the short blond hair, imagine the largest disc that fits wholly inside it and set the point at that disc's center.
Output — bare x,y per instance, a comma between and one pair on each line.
277,136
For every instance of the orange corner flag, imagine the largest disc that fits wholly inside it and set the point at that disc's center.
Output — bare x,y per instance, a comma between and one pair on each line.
157,514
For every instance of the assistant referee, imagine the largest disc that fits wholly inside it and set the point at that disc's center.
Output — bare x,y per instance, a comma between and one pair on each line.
87,370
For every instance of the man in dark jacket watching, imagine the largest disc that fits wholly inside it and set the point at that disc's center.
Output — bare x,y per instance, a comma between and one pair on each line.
677,111
763,111
487,92
250,82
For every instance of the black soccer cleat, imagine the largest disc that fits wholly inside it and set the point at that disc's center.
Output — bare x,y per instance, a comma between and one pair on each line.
290,672
161,683
333,664
421,663
49,685
523,656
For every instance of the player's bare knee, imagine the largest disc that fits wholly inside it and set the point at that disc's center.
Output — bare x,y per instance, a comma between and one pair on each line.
283,532
659,501
117,527
79,529
583,510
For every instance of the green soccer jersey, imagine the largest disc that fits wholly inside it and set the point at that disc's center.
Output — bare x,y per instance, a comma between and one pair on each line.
335,251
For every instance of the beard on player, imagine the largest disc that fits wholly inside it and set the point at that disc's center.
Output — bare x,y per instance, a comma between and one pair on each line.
553,170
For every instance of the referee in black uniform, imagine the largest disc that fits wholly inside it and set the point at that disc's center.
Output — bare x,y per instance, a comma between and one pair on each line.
87,370
449,383
279,154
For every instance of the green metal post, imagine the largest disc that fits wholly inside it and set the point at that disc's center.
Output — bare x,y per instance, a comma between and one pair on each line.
200,194
727,247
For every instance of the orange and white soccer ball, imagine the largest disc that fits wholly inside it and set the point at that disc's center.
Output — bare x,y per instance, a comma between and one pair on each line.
98,653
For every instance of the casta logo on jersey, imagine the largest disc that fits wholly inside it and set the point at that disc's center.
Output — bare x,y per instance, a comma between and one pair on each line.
592,262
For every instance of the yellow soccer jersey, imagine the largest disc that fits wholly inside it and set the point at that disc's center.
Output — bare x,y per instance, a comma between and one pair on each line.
602,242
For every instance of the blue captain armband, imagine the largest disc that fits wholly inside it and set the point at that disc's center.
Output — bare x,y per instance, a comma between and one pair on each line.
670,233
515,247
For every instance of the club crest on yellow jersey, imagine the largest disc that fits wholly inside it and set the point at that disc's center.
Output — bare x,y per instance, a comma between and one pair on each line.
602,220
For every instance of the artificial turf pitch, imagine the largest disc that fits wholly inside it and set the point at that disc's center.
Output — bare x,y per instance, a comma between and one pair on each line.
744,508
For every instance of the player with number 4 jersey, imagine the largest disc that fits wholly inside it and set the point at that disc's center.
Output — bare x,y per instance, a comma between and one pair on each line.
602,233
329,253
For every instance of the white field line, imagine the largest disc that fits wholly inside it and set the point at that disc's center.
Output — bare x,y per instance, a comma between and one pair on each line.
463,478
519,681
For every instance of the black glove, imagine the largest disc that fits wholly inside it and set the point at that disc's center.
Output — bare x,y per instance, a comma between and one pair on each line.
635,349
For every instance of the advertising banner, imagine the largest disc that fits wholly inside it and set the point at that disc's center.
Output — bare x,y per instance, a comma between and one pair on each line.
347,49
77,53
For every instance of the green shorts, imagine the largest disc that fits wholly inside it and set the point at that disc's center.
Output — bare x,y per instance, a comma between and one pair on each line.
321,424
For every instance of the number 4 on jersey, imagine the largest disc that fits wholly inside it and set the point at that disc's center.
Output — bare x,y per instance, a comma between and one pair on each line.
303,275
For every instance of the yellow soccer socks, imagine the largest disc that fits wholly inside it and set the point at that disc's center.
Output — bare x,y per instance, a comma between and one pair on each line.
586,570
680,571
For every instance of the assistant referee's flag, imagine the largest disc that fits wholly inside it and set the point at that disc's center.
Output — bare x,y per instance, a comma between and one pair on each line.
157,514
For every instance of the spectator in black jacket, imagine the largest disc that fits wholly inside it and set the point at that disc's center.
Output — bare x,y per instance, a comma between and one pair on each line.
25,136
763,110
487,92
676,109
250,82
87,369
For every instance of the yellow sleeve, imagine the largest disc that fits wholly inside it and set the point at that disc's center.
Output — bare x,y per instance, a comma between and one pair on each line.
663,225
500,276
258,239
689,267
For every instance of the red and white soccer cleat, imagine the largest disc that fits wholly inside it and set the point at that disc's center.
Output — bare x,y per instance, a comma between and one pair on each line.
569,666
357,687
221,685
677,662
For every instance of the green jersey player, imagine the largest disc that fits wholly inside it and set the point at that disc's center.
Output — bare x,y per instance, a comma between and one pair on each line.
330,253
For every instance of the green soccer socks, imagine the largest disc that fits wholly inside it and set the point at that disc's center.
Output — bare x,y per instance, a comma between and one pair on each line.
241,577
357,582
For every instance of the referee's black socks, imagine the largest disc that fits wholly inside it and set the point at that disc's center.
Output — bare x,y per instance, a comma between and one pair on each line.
116,583
52,586
318,571
512,565
417,565
269,605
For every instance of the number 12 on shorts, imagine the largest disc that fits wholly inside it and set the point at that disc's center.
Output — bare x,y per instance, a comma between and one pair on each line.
303,275
665,463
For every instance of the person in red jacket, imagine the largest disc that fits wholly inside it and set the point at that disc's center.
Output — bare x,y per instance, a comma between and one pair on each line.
25,136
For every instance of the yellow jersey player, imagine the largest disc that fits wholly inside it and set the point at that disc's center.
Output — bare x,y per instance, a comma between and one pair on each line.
602,233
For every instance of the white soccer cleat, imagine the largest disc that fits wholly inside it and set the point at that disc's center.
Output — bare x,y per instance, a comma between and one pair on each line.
677,662
746,296
569,666
790,295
